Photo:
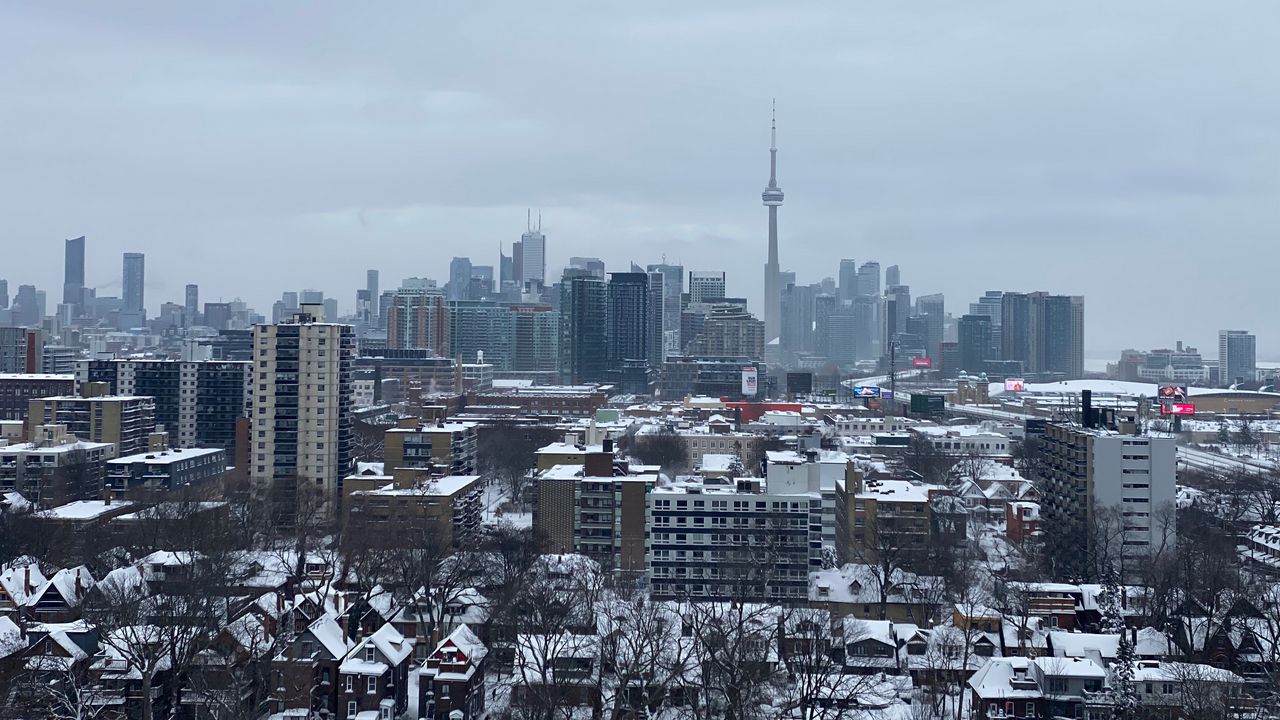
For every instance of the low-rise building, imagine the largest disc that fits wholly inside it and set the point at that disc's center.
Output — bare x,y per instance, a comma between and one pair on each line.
200,470
127,421
55,468
445,448
445,509
17,390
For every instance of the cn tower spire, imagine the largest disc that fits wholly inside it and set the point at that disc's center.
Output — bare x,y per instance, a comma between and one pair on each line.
772,198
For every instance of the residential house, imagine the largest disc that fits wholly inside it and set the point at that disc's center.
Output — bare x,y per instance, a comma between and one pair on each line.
451,680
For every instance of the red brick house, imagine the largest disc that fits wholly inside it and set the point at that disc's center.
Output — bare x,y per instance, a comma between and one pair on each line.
374,677
452,677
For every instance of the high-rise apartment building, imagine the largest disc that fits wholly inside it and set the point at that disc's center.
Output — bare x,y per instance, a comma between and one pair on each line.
419,319
477,327
728,330
974,343
73,273
582,327
672,290
459,285
706,285
628,318
300,405
654,343
1101,486
1044,332
535,341
1237,356
197,403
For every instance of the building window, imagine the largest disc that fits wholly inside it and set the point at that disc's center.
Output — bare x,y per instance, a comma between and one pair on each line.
351,683
371,685
351,709
444,691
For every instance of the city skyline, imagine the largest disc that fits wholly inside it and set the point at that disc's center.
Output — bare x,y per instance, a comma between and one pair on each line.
1132,174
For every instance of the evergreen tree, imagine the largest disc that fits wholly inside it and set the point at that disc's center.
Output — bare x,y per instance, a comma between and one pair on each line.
1224,433
1123,696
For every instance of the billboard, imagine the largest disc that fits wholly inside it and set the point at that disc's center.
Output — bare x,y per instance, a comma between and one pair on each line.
1171,392
1014,385
750,380
1177,409
928,404
866,391
922,362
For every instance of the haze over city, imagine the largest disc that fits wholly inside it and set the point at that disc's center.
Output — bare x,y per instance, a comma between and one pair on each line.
1124,153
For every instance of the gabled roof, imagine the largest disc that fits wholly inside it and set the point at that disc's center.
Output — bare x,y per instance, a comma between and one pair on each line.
329,634
14,581
64,585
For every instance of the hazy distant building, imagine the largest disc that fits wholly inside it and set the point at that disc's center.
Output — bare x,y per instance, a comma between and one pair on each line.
73,273
533,254
535,346
217,315
21,350
892,276
869,280
932,309
191,305
371,285
1044,332
728,330
848,280
134,283
1237,356
459,279
4,294
477,327
706,285
672,289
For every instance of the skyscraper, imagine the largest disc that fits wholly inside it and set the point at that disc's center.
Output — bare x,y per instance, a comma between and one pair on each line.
1237,356
1044,332
73,273
672,289
848,280
459,279
371,284
892,276
974,333
582,327
4,294
627,337
133,311
302,417
869,279
932,309
657,317
533,253
535,338
481,327
772,199
191,304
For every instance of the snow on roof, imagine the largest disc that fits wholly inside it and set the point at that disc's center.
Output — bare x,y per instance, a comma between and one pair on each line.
561,448
995,679
165,457
83,509
443,487
393,646
896,490
328,633
1080,645
11,640
1155,671
716,462
14,580
37,376
15,502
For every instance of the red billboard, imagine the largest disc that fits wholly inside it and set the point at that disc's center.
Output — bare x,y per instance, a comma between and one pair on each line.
921,362
1177,409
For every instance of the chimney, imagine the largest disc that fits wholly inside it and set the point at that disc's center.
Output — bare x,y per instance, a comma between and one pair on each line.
1086,408
607,445
27,583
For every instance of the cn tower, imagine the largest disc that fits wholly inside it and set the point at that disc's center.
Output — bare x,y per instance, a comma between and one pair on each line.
772,198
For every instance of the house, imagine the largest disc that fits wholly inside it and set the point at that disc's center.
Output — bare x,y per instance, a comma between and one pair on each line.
59,599
560,668
1016,688
1021,521
452,679
305,671
374,676
854,590
17,584
1186,689
870,647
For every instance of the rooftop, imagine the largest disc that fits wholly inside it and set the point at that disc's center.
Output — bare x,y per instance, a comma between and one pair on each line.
37,376
165,457
83,510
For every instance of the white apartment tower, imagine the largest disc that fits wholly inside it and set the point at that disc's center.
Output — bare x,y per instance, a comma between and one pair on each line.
301,402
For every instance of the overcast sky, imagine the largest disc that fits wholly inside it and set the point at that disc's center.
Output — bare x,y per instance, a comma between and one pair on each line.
1124,151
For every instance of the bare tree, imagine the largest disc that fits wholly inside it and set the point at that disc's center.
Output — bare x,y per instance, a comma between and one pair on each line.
507,455
664,448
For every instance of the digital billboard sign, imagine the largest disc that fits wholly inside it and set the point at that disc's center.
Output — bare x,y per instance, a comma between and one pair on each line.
866,391
922,362
1015,385
750,380
1177,409
1171,392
